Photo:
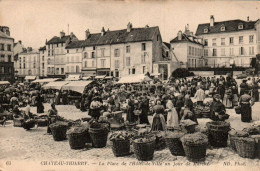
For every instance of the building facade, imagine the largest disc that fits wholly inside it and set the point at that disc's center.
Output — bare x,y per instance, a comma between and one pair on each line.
28,63
56,54
6,55
117,53
232,42
188,49
43,61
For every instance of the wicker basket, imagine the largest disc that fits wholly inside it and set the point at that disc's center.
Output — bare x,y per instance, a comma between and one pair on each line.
238,109
218,125
188,129
144,151
175,146
77,140
257,140
223,117
233,136
246,147
42,122
218,138
98,137
195,152
18,122
29,124
58,131
121,147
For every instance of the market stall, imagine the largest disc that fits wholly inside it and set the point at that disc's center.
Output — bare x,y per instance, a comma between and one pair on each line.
134,79
30,78
73,78
45,80
55,85
77,86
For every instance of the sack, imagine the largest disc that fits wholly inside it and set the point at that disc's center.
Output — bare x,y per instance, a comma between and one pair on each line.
238,109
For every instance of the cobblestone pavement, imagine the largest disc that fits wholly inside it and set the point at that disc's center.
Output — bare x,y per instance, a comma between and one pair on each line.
19,144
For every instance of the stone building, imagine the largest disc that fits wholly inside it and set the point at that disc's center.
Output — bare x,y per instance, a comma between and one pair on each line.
6,55
230,42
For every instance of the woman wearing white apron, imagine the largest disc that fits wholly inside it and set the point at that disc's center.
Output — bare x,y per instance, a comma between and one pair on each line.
172,116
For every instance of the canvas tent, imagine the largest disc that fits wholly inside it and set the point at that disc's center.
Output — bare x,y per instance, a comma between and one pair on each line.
57,85
30,77
45,80
134,79
73,78
4,82
100,77
77,86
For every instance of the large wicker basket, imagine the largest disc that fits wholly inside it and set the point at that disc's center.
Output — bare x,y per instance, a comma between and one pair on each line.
121,147
218,138
195,152
98,137
29,124
58,131
233,134
245,147
257,140
175,146
188,128
77,137
218,125
144,150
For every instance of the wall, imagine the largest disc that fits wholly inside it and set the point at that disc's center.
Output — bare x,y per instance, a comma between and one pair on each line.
30,64
180,51
224,59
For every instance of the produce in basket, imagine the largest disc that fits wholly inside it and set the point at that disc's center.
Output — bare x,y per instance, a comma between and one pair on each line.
144,138
196,138
252,130
187,122
120,135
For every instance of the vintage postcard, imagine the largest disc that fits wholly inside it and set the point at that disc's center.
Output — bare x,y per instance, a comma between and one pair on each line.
129,85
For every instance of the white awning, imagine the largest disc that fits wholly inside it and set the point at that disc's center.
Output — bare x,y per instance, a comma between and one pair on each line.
85,78
30,77
155,74
4,82
77,86
57,85
45,80
73,78
100,76
134,79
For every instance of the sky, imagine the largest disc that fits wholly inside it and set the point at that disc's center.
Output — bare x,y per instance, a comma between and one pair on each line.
34,21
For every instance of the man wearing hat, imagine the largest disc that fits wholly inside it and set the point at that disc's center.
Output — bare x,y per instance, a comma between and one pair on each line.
243,87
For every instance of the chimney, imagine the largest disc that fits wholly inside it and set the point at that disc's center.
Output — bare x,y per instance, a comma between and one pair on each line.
187,29
247,18
146,26
20,42
179,35
212,20
129,27
103,31
108,30
71,34
87,33
29,49
62,34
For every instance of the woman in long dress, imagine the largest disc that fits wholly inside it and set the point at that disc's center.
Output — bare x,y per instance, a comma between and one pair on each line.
158,122
172,116
246,103
227,100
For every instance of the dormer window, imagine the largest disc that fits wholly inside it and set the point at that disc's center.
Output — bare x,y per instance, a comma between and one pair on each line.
222,28
206,30
240,26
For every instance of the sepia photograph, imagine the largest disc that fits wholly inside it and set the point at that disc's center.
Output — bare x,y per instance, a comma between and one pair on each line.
129,85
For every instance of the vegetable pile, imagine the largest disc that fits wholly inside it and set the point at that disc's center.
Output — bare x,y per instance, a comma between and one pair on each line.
194,139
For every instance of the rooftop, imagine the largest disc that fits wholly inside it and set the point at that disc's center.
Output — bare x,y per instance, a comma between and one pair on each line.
116,37
230,26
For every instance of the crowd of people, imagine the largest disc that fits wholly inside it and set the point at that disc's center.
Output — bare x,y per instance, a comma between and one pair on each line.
169,103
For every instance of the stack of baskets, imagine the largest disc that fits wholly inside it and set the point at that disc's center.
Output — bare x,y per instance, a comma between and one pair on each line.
174,143
195,146
59,130
218,133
